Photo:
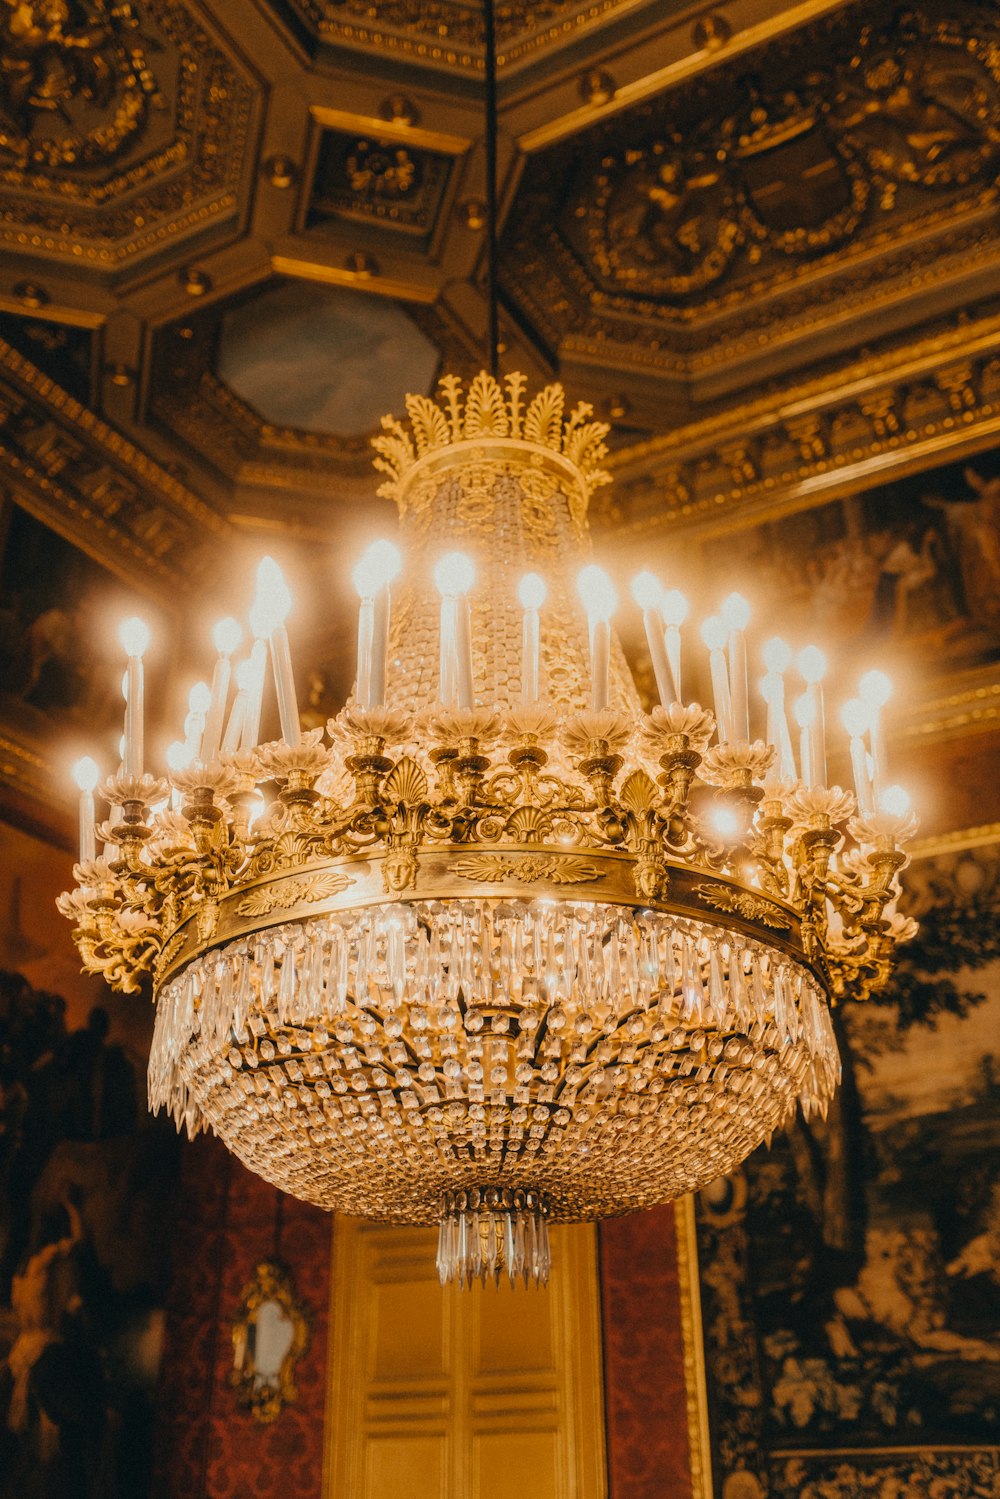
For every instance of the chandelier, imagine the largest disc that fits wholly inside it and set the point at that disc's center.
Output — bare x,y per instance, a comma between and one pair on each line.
501,948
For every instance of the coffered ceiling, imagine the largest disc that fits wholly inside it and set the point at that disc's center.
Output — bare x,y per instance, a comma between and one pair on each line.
761,238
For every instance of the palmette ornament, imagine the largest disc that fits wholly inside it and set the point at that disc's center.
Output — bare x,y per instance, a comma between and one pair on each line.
494,966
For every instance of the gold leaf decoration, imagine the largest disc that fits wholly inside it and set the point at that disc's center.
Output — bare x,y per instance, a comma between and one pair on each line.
283,896
167,955
639,792
485,409
430,425
526,868
405,783
744,903
543,420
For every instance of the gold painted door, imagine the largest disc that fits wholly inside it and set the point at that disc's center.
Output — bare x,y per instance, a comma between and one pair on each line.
452,1394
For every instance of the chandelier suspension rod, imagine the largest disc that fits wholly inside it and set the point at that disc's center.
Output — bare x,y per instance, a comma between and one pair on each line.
490,63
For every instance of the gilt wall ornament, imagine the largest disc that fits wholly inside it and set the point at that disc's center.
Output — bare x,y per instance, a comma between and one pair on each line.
270,1335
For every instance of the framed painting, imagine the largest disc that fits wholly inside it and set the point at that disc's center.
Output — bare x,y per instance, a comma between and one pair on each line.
851,1274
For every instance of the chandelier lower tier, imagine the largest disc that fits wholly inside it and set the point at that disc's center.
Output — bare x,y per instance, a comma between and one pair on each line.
503,949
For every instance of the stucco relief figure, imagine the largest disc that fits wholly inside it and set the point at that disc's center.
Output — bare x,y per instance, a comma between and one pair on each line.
58,55
670,213
926,114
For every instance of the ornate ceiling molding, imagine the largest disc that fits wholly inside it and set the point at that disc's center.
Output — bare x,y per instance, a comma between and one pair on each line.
123,131
737,227
871,419
97,488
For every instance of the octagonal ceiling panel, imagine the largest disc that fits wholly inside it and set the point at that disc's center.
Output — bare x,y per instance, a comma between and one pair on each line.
322,359
123,129
783,205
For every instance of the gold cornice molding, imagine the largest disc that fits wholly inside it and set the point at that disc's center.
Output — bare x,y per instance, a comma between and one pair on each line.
690,60
983,836
370,282
879,417
25,376
390,130
964,704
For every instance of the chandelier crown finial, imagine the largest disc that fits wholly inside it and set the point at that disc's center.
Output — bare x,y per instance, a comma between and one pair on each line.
489,411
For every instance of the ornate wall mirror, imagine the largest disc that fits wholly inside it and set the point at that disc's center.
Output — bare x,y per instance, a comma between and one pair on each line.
270,1335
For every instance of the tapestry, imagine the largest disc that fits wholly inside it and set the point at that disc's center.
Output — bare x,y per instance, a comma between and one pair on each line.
851,1273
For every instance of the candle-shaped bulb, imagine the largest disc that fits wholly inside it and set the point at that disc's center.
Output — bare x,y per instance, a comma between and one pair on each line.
735,612
454,574
713,633
200,699
777,655
894,800
804,709
674,607
272,599
227,635
647,590
178,755
854,717
378,566
134,636
532,591
600,601
597,592
86,774
875,689
812,664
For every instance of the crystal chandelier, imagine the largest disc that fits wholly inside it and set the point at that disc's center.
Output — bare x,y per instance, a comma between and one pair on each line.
503,949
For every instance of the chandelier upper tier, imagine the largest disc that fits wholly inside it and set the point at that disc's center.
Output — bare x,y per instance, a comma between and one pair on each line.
504,948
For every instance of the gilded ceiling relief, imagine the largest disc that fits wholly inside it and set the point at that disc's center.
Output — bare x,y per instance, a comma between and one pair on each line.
801,169
119,126
76,83
853,135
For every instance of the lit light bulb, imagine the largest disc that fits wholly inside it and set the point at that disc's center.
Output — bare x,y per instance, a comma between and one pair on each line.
134,636
725,822
647,590
378,566
804,709
86,773
597,592
178,756
894,800
777,655
714,633
674,607
200,698
875,689
272,600
854,717
735,612
532,591
454,574
812,664
227,635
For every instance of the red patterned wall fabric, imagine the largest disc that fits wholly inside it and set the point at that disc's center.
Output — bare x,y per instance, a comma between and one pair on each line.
209,1448
649,1455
